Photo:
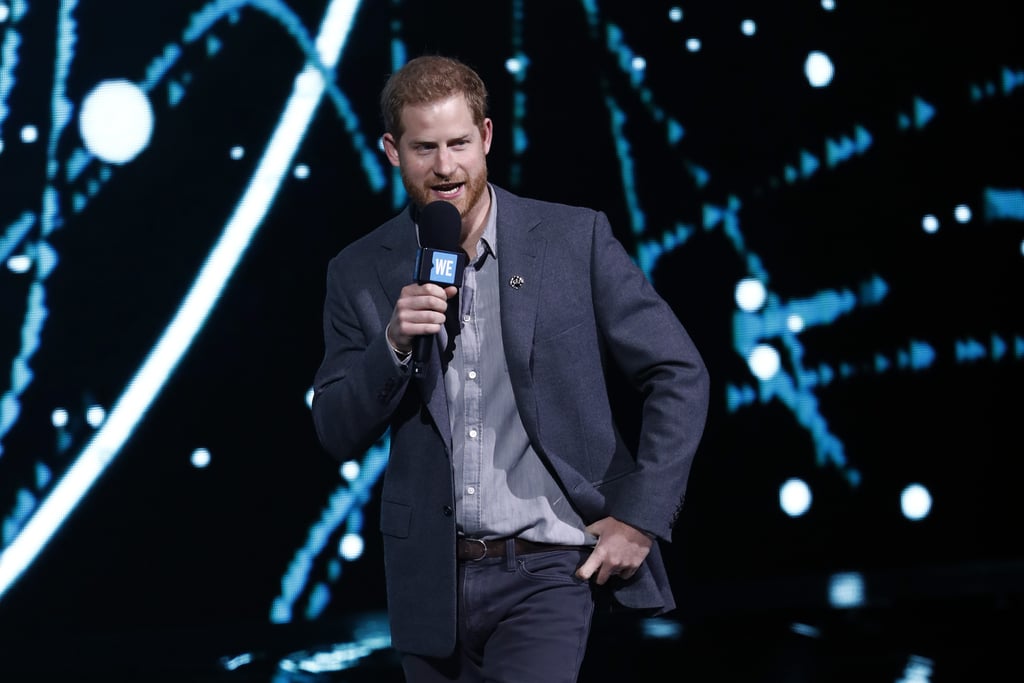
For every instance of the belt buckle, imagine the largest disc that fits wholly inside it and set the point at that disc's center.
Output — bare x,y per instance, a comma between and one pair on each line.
483,548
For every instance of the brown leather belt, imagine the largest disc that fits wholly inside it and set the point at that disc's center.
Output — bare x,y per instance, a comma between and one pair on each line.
476,549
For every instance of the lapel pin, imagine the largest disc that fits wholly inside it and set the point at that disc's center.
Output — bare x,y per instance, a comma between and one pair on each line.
516,282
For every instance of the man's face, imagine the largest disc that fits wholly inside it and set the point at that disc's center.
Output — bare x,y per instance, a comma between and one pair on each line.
442,155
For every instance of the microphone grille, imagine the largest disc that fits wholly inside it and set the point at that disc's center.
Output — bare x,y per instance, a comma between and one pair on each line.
440,226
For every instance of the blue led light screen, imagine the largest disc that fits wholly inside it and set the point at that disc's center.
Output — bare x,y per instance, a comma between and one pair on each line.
830,195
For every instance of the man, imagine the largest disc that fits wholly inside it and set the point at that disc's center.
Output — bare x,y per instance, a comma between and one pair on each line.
509,497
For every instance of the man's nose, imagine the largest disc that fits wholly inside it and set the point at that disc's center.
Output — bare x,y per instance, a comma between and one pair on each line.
444,162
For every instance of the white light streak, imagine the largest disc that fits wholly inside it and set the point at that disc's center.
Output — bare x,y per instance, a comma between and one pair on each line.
149,380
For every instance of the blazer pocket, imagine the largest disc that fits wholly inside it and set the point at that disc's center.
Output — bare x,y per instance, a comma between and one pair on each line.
546,334
611,480
394,518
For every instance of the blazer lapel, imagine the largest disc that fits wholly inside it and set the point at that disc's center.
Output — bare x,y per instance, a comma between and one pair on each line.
396,269
520,256
397,264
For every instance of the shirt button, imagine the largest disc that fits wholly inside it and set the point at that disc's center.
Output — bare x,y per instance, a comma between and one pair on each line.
472,374
471,490
465,318
446,511
472,433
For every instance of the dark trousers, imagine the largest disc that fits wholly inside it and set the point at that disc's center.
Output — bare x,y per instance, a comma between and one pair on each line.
522,619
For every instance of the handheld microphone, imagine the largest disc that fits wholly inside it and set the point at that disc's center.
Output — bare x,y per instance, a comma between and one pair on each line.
439,260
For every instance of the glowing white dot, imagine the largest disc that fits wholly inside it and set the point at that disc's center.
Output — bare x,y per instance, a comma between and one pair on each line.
351,546
19,264
930,224
302,171
748,27
675,14
309,397
5,12
819,69
962,213
693,44
515,65
795,323
1,146
750,294
916,502
846,590
764,361
350,470
200,458
639,64
237,152
828,5
95,415
116,121
794,497
59,417
29,134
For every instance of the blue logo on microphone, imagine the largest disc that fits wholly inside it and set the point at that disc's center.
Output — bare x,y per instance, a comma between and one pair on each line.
443,267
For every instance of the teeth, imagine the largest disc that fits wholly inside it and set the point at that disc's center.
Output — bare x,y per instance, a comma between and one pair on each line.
448,189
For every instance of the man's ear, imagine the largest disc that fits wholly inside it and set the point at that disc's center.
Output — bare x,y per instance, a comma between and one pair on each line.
486,135
390,148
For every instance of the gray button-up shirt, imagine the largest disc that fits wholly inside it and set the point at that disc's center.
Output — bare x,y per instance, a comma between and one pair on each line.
501,486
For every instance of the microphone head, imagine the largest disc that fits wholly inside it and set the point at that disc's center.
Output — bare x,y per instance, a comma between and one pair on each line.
440,226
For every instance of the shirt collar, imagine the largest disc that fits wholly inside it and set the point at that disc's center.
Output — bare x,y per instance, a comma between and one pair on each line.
488,241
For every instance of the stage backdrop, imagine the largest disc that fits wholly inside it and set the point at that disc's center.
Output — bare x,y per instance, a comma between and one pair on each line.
830,195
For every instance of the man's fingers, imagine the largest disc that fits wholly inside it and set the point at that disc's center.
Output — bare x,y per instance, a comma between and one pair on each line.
617,552
597,568
588,568
420,311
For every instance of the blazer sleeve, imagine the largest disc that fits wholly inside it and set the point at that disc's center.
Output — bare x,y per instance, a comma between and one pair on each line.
358,385
653,349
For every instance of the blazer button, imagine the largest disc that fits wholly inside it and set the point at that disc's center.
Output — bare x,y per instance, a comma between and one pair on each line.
447,510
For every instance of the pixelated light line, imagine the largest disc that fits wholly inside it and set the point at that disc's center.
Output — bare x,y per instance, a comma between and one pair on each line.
50,220
80,159
520,140
794,390
9,60
15,233
399,55
46,257
1004,204
799,399
200,25
134,402
344,503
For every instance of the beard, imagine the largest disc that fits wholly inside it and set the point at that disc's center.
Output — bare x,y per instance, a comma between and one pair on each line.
475,187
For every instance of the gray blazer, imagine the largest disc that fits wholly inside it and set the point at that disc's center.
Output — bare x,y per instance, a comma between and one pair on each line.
582,301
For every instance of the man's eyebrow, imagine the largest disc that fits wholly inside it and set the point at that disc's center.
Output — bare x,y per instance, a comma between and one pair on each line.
465,137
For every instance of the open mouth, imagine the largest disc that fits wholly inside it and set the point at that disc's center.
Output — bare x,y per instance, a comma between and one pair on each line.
448,189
